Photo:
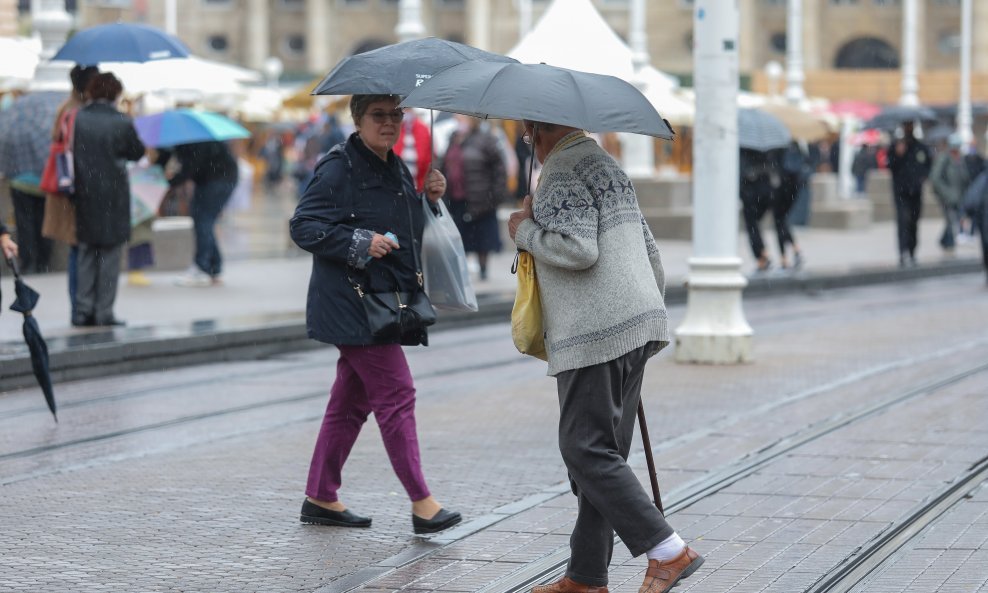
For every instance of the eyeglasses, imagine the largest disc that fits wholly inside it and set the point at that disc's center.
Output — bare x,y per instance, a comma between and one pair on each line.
381,117
527,138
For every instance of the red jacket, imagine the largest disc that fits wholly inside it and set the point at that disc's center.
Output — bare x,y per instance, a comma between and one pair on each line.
423,148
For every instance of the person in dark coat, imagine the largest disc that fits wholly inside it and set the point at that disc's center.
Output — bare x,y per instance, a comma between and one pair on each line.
477,185
794,170
910,162
361,191
760,179
214,171
104,140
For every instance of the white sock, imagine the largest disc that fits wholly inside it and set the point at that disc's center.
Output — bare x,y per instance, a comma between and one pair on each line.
667,549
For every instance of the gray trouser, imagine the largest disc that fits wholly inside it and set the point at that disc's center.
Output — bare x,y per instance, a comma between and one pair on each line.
99,273
597,411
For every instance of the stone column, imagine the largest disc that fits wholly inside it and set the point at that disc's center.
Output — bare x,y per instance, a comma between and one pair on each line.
410,21
51,23
318,58
715,329
479,23
811,32
794,53
524,18
258,40
910,36
638,152
171,17
964,119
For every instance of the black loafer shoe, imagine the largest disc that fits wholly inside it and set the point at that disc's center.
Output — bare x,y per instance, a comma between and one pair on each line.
443,520
316,515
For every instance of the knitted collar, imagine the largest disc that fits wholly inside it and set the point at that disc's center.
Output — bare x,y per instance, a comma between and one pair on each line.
566,141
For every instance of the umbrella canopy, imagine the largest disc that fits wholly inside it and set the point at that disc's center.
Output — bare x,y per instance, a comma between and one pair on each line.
938,134
893,116
27,299
120,42
20,58
25,132
539,92
851,108
398,69
186,126
761,131
148,186
801,124
191,76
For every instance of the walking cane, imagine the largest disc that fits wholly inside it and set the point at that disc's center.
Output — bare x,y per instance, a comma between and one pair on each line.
648,458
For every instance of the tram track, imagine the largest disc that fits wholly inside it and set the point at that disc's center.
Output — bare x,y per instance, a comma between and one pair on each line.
552,566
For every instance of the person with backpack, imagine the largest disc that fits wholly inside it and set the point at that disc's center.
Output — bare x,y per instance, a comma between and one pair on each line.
362,220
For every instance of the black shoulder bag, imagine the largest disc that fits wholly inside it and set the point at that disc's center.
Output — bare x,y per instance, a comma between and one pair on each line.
395,313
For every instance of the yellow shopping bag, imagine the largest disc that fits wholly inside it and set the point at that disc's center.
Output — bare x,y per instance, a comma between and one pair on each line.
526,315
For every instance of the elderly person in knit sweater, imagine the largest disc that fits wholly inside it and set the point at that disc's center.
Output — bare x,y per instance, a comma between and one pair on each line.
602,287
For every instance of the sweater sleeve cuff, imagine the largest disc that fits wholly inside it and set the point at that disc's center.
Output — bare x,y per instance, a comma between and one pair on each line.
359,246
525,233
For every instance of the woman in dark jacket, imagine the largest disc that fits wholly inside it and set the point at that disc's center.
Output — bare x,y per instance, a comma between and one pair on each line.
214,171
104,140
477,185
361,191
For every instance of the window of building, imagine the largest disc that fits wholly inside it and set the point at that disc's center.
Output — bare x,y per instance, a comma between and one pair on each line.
778,42
292,4
950,3
294,44
686,3
390,3
867,52
777,3
218,43
217,3
887,2
843,2
949,43
352,2
450,3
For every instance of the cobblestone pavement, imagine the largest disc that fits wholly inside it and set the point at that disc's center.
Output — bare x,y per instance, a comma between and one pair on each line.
191,480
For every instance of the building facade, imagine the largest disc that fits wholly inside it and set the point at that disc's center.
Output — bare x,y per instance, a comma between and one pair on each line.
840,37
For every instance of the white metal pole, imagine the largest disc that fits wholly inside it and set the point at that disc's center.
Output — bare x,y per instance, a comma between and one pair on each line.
964,118
794,53
171,17
715,330
638,152
410,21
524,18
910,82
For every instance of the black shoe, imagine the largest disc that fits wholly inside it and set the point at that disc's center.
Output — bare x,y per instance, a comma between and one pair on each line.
443,520
113,321
79,320
316,515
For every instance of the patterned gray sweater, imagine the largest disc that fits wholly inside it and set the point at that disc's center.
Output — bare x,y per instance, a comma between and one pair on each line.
598,268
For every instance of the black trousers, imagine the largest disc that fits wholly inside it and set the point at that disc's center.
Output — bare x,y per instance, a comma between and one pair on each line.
753,208
34,250
598,406
908,208
782,203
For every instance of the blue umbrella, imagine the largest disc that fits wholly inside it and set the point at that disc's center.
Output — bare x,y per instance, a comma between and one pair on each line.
186,126
120,42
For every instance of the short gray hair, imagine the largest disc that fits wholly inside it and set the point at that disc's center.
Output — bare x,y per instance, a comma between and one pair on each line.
360,103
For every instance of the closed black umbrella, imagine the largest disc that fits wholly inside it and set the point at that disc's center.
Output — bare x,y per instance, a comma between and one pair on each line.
25,302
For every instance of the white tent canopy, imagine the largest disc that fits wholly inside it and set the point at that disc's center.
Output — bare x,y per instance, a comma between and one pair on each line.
19,60
191,77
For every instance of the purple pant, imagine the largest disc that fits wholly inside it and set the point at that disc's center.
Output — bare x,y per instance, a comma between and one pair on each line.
368,379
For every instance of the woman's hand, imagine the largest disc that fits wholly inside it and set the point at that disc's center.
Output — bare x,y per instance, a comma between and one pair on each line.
381,246
518,216
435,185
8,246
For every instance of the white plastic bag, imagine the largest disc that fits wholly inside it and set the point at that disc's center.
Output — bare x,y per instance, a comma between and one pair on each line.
444,262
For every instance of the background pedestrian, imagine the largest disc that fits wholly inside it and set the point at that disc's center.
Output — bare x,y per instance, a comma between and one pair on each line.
909,160
104,140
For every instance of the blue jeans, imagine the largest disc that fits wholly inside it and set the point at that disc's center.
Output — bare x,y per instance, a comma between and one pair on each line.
207,204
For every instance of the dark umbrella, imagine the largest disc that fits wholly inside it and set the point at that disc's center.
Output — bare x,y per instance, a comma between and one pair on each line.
544,93
120,42
893,116
937,134
25,302
761,131
399,68
25,132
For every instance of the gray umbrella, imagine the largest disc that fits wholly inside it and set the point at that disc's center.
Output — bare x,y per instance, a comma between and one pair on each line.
399,68
761,131
538,92
893,116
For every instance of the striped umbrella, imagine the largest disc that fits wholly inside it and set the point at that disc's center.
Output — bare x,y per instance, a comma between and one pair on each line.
761,131
25,132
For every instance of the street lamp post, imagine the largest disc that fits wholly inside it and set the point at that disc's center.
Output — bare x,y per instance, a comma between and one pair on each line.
794,53
964,118
51,22
910,82
773,72
410,21
171,17
715,330
273,67
524,18
638,152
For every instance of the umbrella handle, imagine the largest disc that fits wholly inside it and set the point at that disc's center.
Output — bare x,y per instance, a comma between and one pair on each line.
531,161
12,262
